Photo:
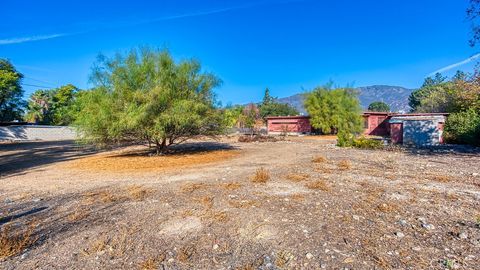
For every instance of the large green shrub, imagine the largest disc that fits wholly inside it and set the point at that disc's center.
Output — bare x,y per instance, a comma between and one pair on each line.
463,128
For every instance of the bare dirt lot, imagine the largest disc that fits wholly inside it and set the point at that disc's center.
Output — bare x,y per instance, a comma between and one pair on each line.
296,204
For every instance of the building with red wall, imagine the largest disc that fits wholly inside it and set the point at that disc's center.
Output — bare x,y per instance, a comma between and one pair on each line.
415,128
421,129
291,125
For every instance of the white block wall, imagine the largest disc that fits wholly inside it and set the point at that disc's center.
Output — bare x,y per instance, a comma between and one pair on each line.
37,133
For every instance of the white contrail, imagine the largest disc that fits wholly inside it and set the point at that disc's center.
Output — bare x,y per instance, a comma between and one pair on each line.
452,66
17,40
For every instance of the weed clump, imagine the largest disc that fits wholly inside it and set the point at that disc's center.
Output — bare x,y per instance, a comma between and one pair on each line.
319,159
318,185
261,176
297,177
14,242
344,165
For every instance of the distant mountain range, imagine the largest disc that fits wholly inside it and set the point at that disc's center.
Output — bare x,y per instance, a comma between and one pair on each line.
395,96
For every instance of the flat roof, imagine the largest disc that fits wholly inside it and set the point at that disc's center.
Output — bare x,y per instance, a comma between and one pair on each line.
406,114
288,117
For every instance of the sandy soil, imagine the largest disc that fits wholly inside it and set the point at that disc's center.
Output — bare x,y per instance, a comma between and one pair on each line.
322,207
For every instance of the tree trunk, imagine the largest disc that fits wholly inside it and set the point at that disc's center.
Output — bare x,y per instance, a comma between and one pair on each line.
161,147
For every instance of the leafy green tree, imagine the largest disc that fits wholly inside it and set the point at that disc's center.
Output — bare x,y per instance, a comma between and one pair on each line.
270,107
146,96
53,106
250,117
39,106
463,127
429,85
63,100
231,115
335,111
11,92
378,106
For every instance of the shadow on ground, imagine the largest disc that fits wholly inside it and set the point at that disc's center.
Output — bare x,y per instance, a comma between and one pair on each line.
15,158
183,149
455,150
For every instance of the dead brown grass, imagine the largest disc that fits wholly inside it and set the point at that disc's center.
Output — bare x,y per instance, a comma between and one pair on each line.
14,242
206,201
318,185
232,186
138,193
387,207
298,177
283,258
116,244
124,163
243,203
152,263
185,253
344,165
261,176
103,196
441,178
319,159
191,187
78,214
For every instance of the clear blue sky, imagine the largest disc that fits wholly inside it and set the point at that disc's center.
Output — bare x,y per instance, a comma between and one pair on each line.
284,45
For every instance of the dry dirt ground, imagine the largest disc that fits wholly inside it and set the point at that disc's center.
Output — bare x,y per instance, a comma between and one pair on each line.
313,206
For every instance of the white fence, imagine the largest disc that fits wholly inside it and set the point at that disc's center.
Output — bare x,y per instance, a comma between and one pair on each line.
36,133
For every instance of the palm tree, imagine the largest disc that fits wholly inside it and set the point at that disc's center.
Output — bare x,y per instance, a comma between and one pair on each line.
39,106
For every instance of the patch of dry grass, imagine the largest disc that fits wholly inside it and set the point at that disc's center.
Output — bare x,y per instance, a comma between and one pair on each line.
243,203
283,258
185,253
78,215
441,178
14,241
191,187
116,244
206,201
297,177
344,165
261,176
387,207
130,162
138,193
232,186
318,185
100,196
220,216
152,263
319,159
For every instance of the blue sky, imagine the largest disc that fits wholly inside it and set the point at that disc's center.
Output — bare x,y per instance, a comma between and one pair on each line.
286,45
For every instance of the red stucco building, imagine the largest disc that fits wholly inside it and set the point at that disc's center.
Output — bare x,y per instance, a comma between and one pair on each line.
414,128
292,125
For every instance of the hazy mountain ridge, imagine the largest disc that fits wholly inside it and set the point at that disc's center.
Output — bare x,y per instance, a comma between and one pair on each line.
395,96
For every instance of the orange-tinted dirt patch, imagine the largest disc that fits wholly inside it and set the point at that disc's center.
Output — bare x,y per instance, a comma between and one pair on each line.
120,163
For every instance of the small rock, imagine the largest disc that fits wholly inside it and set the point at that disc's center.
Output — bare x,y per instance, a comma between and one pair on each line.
356,217
428,226
403,222
463,235
400,234
171,260
215,247
422,220
309,256
475,174
417,249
